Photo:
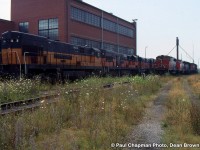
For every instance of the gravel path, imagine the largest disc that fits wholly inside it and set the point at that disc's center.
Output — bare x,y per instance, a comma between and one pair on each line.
149,131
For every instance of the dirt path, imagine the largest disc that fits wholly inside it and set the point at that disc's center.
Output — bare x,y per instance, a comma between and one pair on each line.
149,131
192,96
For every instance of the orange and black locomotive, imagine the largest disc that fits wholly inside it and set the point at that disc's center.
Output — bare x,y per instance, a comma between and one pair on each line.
28,54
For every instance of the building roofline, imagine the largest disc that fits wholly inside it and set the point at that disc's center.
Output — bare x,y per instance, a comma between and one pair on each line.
5,20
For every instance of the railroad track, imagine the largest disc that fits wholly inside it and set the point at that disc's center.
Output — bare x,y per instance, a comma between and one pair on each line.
22,105
18,106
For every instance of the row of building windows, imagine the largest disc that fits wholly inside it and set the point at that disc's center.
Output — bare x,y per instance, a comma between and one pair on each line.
120,49
107,46
109,25
86,17
85,42
47,28
125,31
125,50
110,47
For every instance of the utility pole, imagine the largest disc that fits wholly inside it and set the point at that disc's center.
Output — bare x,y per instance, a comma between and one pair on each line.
177,46
146,51
135,35
193,53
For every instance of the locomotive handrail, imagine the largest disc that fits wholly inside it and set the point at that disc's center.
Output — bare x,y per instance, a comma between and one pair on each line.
20,65
25,67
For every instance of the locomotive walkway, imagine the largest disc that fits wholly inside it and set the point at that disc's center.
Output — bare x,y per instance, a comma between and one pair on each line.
149,130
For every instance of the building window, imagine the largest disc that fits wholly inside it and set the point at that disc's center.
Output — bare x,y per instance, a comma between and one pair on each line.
110,47
126,50
23,27
89,18
85,42
131,51
49,28
86,17
109,25
106,46
125,31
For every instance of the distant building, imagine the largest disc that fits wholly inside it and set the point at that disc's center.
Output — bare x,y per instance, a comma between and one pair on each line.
75,22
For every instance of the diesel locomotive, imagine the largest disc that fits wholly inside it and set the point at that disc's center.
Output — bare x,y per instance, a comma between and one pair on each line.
28,54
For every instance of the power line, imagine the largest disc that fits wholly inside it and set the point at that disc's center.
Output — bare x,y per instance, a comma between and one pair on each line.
186,53
171,50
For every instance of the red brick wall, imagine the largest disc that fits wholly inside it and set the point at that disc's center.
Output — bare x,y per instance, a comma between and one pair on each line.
81,29
6,26
33,10
84,30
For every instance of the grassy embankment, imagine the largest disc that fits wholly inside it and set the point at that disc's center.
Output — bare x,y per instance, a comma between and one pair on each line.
15,90
182,122
90,119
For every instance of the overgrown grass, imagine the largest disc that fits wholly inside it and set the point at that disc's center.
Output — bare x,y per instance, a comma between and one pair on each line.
90,119
182,118
15,90
97,82
194,81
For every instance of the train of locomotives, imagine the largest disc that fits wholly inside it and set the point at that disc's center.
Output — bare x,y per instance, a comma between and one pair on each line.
28,54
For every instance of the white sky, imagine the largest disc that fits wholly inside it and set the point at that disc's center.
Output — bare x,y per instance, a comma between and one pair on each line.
159,23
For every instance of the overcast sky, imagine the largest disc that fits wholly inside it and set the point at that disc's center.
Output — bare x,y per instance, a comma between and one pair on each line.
159,23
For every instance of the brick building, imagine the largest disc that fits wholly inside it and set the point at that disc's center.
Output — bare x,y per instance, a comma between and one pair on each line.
75,22
6,25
